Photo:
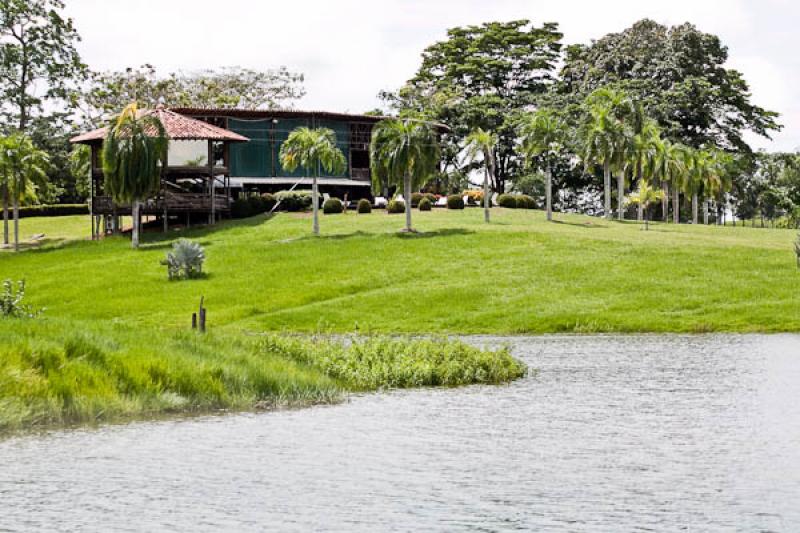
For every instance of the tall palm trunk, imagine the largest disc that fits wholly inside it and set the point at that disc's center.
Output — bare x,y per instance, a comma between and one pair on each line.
621,195
315,206
16,223
5,214
486,198
607,189
549,192
676,205
135,232
665,202
407,201
694,208
706,207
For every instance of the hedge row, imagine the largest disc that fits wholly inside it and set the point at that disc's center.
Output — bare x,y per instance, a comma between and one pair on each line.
57,210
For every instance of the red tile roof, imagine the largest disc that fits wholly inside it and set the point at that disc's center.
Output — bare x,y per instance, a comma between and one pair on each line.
179,128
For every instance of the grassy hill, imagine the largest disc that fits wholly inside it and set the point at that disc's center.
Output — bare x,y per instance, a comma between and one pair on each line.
114,340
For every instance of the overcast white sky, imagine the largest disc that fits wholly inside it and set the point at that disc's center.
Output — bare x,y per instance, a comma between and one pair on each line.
351,49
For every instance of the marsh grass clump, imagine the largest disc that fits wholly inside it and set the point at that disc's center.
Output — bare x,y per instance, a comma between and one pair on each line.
185,261
377,362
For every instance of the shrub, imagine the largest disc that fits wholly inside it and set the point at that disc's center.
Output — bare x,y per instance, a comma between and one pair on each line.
269,201
474,196
294,200
185,260
240,208
256,204
455,201
507,200
11,305
425,205
431,197
415,198
396,207
57,210
332,206
364,206
525,202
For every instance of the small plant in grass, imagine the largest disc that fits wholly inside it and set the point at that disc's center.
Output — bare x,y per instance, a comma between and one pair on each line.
11,301
396,207
507,200
425,205
332,206
364,206
455,201
185,261
797,250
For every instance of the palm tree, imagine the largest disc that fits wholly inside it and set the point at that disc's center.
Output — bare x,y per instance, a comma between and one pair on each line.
4,185
24,167
407,152
313,150
483,142
642,148
644,197
669,166
544,134
134,152
605,138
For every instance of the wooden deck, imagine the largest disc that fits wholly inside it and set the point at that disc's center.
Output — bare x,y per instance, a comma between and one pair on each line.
174,203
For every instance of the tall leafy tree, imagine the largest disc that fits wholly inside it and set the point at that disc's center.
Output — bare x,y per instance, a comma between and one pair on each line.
134,151
545,134
483,143
313,150
485,77
25,169
37,49
407,152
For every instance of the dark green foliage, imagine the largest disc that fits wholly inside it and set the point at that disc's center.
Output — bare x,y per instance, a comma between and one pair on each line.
240,208
296,200
257,204
395,207
455,201
364,206
431,197
332,206
185,261
525,202
415,198
507,200
425,205
268,200
11,301
386,362
252,205
57,210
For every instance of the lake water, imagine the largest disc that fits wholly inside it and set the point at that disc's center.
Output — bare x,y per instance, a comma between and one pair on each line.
656,433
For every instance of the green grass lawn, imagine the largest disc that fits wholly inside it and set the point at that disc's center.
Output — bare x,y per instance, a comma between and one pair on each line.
519,274
114,339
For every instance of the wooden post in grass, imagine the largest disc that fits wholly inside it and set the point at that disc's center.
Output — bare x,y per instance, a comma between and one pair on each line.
202,316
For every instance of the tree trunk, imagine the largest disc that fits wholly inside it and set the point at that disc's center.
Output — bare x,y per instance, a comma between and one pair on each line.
646,220
5,215
549,193
135,230
607,190
16,223
486,199
665,202
621,196
694,208
407,201
706,207
315,206
676,205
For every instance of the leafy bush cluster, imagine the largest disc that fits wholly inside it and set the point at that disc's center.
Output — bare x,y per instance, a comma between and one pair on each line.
415,199
332,206
425,205
455,201
474,196
11,301
56,210
516,201
364,206
370,363
396,207
185,261
298,200
252,205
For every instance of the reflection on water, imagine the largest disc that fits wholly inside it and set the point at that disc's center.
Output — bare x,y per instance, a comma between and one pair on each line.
613,433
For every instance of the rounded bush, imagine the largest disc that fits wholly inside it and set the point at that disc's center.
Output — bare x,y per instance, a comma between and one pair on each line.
294,200
525,202
425,205
431,197
269,201
332,206
507,200
455,201
364,206
415,198
240,208
396,207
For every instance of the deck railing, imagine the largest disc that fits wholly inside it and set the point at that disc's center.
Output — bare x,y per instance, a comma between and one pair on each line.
174,202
